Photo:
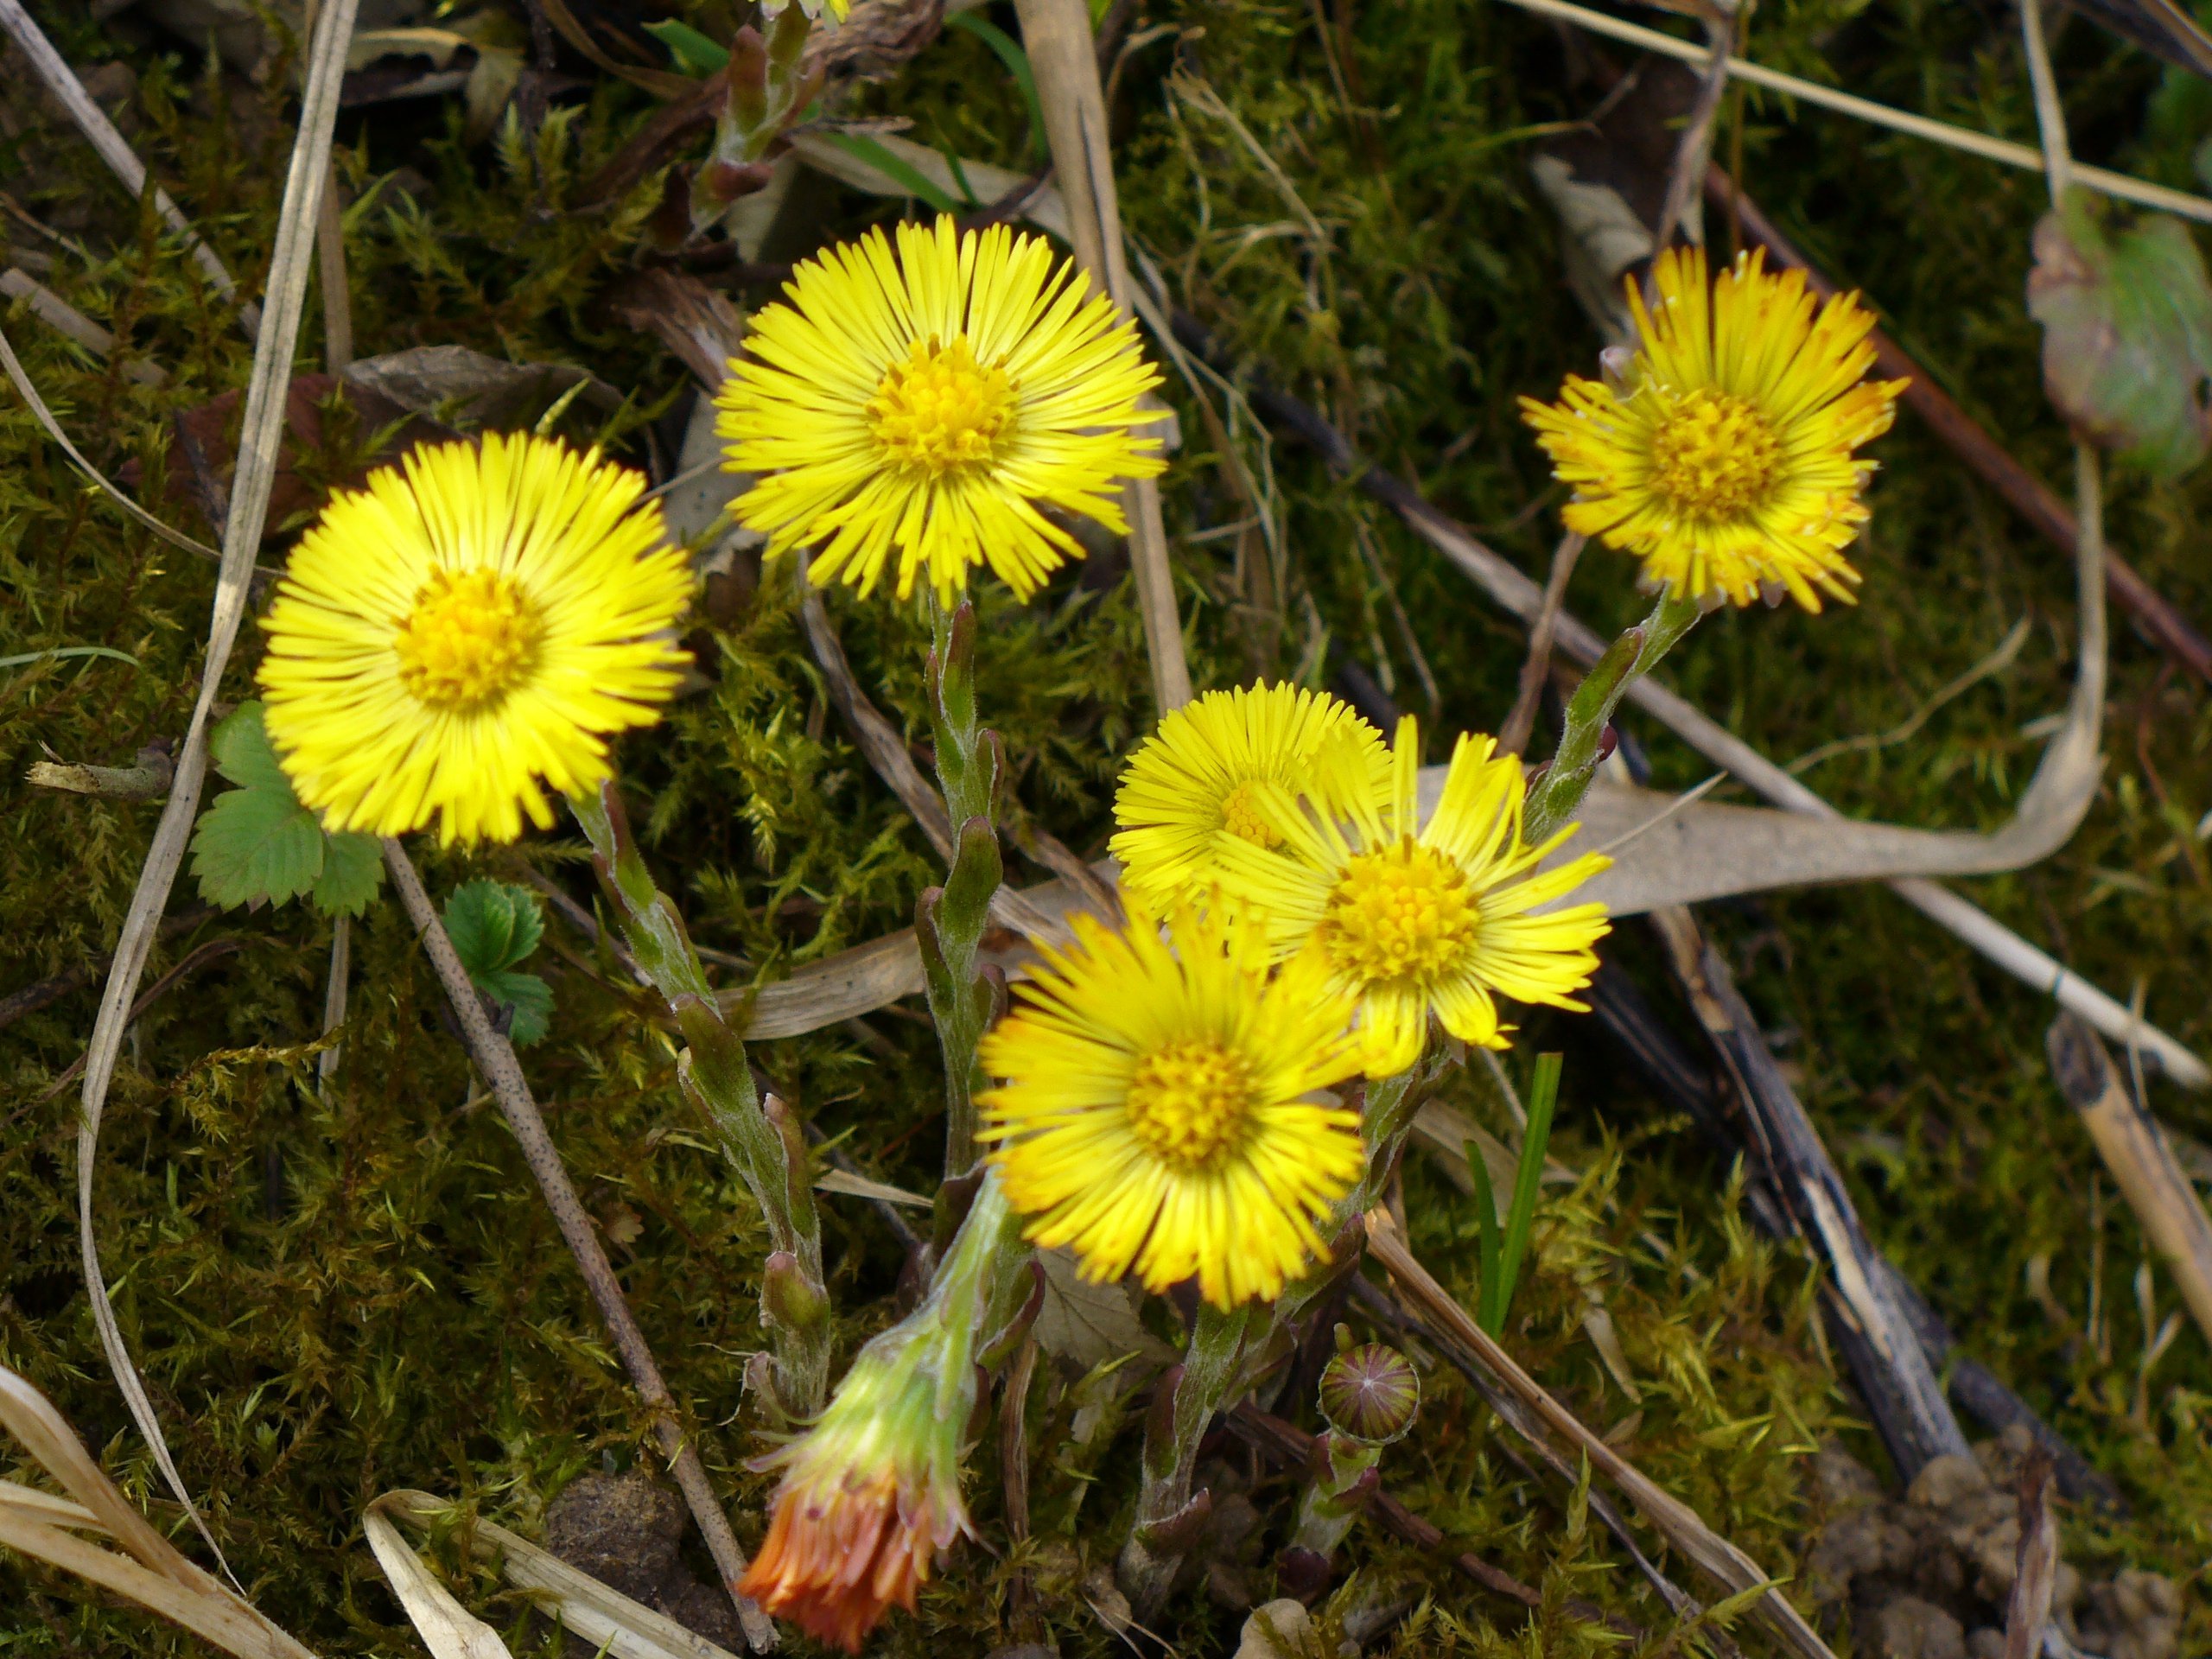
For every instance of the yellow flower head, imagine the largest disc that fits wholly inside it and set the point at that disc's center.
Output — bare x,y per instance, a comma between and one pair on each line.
924,405
1190,785
1724,461
1155,1113
471,622
1409,917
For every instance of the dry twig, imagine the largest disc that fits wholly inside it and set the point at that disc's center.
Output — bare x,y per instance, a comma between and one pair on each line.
495,1058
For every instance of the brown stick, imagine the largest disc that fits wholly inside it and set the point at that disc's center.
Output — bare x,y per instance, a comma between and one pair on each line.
1536,668
1681,1525
2142,1162
1897,1380
1988,458
495,1058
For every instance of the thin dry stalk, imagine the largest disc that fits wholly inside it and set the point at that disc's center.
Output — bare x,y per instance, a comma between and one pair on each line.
1723,28
58,314
2027,1613
1536,670
45,417
1881,115
260,433
2135,1149
148,1571
495,1058
1679,1524
91,120
1065,60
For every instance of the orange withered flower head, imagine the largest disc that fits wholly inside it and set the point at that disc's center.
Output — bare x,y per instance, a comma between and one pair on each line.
847,1544
870,1493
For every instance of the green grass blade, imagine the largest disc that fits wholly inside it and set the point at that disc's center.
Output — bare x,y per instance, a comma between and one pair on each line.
1016,60
867,149
1527,1179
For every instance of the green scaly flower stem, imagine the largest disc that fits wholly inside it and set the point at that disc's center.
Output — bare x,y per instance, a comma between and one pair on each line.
1229,1351
1559,792
768,91
761,1139
950,921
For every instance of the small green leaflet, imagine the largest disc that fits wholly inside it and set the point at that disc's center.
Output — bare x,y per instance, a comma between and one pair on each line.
495,926
257,845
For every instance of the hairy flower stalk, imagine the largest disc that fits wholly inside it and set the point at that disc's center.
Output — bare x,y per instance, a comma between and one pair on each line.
870,1493
762,1140
949,920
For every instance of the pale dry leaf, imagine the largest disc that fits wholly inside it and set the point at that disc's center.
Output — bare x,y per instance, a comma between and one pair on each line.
601,1615
447,1629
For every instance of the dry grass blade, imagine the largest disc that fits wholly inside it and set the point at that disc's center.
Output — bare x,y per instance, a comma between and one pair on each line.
1681,1525
58,315
604,1617
448,1630
290,269
151,1573
2136,1150
1063,58
1881,115
46,419
91,120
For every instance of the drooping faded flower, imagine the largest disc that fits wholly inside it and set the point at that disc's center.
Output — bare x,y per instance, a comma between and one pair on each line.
1412,919
464,631
1724,458
1161,1111
870,1494
920,408
1190,784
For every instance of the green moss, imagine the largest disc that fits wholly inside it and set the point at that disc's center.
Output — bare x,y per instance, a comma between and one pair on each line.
334,1294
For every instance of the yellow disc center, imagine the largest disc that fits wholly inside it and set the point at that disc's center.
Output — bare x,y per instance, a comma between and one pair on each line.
1188,1101
1404,912
941,410
471,638
1242,818
1714,455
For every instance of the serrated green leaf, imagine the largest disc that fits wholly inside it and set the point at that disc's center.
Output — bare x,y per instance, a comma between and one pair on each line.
494,925
531,997
352,870
2127,333
256,846
243,754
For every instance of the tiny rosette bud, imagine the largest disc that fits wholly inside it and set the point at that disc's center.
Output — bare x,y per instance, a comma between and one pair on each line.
1371,1393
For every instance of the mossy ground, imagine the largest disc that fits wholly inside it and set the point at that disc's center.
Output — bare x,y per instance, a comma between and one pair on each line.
337,1293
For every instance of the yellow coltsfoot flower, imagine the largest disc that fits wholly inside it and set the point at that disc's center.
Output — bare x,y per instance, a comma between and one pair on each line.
1190,785
1158,1114
1724,458
466,630
921,406
1412,919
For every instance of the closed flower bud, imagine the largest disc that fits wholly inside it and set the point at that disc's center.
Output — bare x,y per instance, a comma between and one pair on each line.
1371,1393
